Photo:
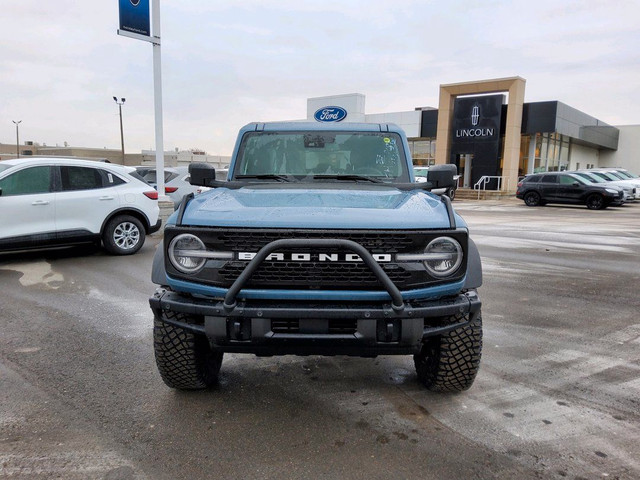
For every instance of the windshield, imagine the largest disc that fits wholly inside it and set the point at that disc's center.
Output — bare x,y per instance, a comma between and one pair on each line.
577,178
615,175
624,175
322,156
152,178
603,175
609,176
590,178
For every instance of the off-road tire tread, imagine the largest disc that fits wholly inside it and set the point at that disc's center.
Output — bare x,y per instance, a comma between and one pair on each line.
185,360
450,362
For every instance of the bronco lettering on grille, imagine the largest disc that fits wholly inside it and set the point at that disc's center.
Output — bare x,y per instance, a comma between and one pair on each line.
315,257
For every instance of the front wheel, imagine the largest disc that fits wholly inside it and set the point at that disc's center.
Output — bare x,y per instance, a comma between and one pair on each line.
450,362
451,193
185,360
123,235
595,202
532,199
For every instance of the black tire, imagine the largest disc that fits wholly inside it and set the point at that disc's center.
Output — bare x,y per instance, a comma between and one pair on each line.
450,362
123,235
595,201
185,360
532,199
451,193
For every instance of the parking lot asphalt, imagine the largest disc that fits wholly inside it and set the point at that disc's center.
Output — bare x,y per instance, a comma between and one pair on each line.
557,396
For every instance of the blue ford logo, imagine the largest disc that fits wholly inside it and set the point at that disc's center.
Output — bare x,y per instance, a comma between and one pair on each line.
330,114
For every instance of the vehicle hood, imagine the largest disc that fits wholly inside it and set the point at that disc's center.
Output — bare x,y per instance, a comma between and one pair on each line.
357,207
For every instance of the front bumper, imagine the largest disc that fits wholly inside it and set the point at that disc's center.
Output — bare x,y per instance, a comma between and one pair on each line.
156,227
323,328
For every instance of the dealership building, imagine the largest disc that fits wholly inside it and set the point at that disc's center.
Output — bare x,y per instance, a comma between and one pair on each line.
495,137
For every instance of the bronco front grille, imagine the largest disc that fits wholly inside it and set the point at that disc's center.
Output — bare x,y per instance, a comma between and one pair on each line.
314,274
250,240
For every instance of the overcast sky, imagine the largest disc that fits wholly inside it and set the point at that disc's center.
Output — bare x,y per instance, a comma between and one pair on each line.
226,64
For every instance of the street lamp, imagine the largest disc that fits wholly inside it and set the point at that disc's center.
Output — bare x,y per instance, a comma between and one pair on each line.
17,137
122,100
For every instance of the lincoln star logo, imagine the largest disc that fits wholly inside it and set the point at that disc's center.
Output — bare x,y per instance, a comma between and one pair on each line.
475,115
475,132
315,257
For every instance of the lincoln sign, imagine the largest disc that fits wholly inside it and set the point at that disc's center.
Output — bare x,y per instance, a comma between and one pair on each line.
475,132
477,118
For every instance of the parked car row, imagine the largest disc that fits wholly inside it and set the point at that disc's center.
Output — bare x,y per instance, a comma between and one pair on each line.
176,181
617,176
56,201
596,188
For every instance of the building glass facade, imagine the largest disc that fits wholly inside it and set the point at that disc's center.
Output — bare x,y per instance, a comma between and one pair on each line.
552,153
423,151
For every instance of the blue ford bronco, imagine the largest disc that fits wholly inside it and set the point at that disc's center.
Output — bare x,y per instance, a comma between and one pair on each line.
318,242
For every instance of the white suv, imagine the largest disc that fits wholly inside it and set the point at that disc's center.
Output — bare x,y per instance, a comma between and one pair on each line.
611,175
57,201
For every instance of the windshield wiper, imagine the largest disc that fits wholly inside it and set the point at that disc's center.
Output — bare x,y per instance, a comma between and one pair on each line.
348,177
266,176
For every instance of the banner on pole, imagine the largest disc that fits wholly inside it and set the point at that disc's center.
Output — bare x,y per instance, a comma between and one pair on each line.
134,16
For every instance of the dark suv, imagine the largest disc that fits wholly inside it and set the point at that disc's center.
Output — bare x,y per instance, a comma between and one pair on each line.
559,187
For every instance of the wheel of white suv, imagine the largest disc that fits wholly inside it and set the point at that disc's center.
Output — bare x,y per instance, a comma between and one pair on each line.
123,235
450,362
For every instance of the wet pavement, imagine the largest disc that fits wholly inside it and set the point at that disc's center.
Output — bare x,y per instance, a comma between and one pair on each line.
557,396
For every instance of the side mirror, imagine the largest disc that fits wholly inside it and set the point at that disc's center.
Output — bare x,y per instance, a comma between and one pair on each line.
441,176
0,192
201,174
576,184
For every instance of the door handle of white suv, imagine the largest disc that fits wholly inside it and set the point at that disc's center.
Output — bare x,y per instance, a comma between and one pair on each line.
106,198
40,202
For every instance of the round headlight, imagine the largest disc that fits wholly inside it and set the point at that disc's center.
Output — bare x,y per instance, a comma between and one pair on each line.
186,253
444,256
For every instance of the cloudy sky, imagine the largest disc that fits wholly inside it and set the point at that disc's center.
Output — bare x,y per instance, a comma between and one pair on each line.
226,64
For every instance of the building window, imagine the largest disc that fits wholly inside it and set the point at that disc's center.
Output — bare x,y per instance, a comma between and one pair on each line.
423,151
523,165
552,153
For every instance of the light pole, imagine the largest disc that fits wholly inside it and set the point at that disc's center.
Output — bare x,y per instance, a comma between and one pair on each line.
17,137
122,100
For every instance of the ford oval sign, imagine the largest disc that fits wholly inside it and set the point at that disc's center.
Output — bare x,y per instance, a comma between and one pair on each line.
330,114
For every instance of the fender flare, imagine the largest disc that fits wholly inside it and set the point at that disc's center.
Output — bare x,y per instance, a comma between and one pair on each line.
158,272
474,267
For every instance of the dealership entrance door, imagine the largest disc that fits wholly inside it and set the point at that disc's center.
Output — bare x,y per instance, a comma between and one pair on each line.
464,162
